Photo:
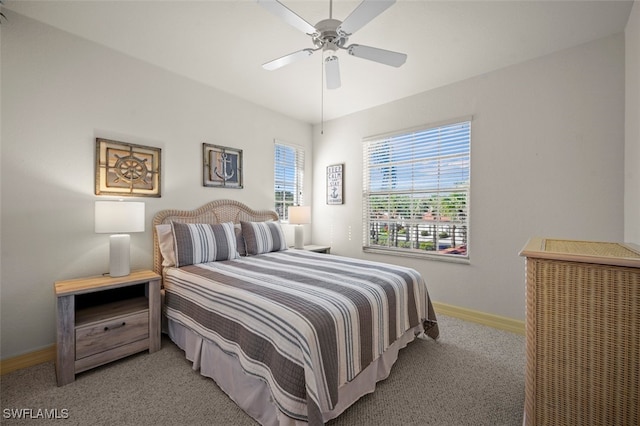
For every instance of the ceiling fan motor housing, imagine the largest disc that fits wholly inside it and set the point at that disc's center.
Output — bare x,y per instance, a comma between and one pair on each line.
327,36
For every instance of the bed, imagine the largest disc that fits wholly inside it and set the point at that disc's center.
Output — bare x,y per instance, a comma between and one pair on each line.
292,336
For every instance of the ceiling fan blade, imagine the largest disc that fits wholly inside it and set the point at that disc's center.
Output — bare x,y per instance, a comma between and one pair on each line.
362,15
290,17
386,57
332,71
287,59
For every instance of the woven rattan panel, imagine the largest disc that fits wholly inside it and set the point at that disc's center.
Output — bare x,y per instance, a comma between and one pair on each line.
583,344
590,248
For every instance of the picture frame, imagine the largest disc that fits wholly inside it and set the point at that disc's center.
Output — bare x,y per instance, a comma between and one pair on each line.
126,169
335,184
222,166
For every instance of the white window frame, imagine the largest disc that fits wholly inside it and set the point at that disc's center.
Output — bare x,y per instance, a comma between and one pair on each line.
409,217
288,175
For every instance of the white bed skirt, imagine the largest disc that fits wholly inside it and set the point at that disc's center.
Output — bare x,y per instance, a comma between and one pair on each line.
252,394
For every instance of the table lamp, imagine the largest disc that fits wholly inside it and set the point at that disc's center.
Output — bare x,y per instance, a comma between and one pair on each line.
298,216
119,218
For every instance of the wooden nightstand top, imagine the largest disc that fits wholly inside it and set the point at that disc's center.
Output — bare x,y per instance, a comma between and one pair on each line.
103,282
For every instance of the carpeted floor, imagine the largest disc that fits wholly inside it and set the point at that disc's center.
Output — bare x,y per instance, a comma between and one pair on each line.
473,375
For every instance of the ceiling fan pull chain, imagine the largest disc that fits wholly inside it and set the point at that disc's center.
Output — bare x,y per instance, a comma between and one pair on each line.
322,97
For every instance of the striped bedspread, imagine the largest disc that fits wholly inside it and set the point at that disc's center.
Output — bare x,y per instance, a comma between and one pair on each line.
304,322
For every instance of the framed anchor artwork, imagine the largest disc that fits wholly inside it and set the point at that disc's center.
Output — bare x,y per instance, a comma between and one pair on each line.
126,169
222,166
335,174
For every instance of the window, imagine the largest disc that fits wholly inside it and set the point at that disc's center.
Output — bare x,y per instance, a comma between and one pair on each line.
416,192
288,178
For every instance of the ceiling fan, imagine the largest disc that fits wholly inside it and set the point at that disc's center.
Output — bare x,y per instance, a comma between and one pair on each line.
329,35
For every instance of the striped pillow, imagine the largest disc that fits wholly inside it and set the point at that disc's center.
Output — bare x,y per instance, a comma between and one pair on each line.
203,242
263,237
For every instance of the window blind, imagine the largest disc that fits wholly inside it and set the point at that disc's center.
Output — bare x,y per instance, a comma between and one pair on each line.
288,177
416,191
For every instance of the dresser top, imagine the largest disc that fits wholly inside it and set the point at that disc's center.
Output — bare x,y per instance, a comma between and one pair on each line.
607,253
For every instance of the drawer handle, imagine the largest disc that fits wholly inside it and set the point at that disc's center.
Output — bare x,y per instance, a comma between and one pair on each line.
117,326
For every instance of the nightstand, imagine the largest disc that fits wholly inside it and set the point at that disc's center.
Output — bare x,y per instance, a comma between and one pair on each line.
318,249
101,319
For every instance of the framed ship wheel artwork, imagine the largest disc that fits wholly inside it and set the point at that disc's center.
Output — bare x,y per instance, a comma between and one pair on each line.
127,169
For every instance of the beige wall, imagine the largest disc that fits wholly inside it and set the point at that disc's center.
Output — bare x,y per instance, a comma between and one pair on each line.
547,158
59,93
632,128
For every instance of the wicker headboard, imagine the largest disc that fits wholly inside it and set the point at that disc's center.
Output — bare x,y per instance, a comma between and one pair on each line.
218,211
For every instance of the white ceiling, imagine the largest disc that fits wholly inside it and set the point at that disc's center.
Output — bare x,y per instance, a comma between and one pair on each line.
223,43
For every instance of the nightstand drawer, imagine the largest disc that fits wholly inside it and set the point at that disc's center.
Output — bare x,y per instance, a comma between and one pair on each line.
102,335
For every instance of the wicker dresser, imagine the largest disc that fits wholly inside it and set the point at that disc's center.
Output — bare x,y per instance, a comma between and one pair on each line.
582,333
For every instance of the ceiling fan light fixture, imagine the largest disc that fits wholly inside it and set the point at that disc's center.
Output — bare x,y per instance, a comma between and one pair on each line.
332,70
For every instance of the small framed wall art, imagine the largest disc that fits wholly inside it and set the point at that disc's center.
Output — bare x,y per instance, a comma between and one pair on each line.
335,174
222,166
125,169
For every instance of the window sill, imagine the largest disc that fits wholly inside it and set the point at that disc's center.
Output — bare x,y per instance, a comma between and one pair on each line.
418,255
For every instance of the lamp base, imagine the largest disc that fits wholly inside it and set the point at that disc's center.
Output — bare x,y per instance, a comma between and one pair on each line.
119,255
299,237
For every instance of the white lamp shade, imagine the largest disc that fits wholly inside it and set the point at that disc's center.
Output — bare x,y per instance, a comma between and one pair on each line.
113,217
299,215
